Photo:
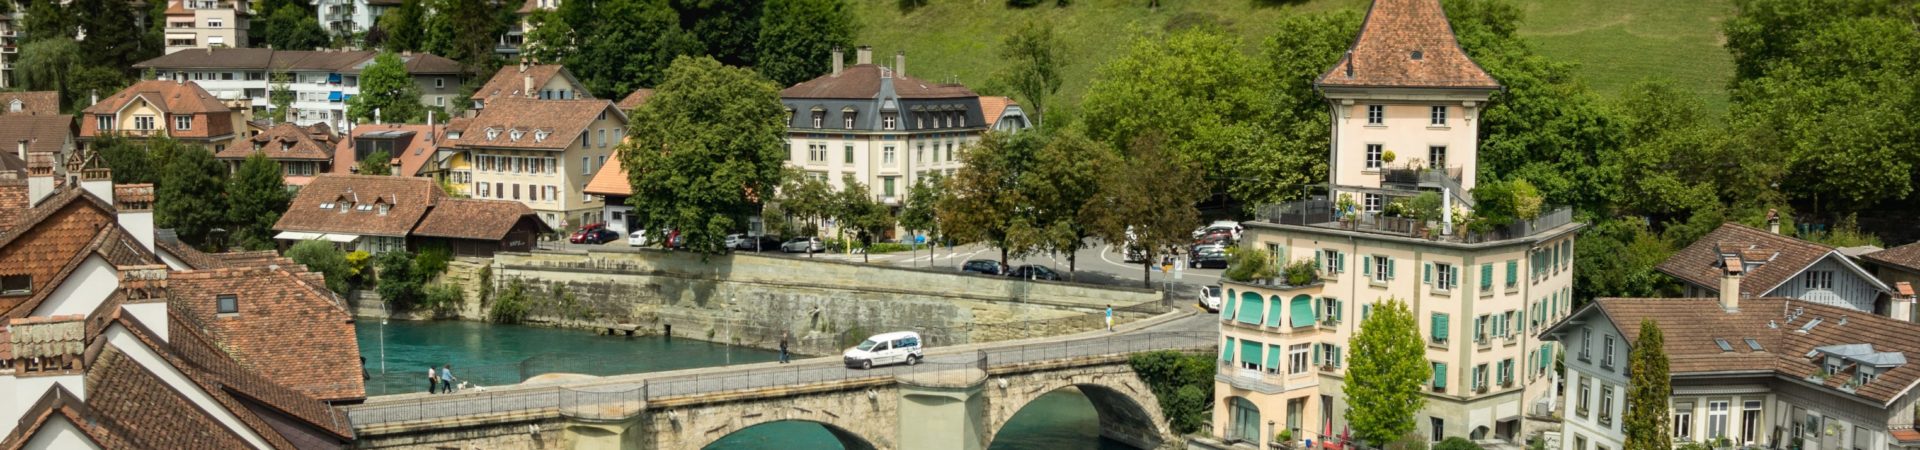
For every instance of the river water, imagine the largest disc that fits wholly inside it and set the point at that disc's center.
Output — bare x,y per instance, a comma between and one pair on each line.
492,355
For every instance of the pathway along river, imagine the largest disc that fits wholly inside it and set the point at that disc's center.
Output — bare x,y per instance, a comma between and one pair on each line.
492,355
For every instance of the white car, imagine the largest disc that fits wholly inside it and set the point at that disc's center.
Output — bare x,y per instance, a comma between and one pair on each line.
1210,298
638,238
886,348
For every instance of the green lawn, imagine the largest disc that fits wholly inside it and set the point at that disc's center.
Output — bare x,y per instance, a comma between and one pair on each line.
1614,42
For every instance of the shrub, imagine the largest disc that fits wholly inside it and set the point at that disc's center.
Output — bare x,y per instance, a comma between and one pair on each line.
1023,3
1456,443
1412,441
357,267
1182,382
1424,207
431,262
1248,265
322,257
906,6
1301,272
443,298
486,284
886,247
512,305
398,285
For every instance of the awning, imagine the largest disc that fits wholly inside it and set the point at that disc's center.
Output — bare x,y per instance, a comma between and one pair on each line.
305,236
339,238
333,78
334,96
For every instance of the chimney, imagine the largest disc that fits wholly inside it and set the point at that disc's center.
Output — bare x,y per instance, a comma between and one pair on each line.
93,95
98,181
528,82
376,116
1773,221
39,177
839,61
1730,284
23,149
1349,63
1904,301
145,289
135,205
900,63
429,127
863,55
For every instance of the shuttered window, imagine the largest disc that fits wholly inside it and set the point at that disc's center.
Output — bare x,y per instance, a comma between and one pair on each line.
1274,311
1302,311
1439,328
1486,277
1226,351
1250,306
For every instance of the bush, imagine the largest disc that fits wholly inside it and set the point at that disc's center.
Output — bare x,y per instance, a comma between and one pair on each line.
357,267
322,257
1412,441
443,298
886,247
1249,265
906,6
399,285
1301,272
431,262
512,305
1023,3
1182,382
1456,443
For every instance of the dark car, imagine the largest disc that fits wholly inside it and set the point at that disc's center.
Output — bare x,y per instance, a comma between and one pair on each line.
580,237
1208,258
596,236
984,266
1034,272
758,243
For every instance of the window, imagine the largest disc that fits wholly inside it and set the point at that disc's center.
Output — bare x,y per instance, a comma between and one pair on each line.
1437,156
1606,405
849,154
849,118
586,166
601,162
1586,385
1480,378
439,82
1444,276
103,122
887,120
1819,279
215,23
886,155
1606,355
16,284
1439,376
483,191
816,153
1586,342
1682,422
143,123
819,117
1373,202
182,122
1750,422
1376,115
1332,261
1513,273
1480,328
1245,422
1440,328
603,138
920,154
1373,156
1382,268
1505,372
950,151
1297,358
1579,442
1438,116
886,185
1862,439
1717,419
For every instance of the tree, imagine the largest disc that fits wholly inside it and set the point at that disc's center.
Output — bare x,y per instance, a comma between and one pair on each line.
295,28
808,198
464,31
189,198
46,19
399,285
1386,374
386,87
984,201
128,160
281,96
1064,179
324,258
857,211
377,163
796,36
919,214
550,41
1648,393
405,26
85,82
112,39
256,195
726,28
1150,213
1030,64
626,44
710,143
45,64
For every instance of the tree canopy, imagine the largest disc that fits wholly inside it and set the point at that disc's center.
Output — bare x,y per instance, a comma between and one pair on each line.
1031,59
386,87
190,197
796,36
984,201
1386,374
1152,213
704,151
256,195
1646,417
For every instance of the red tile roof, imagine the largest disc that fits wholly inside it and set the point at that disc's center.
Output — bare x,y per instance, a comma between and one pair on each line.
287,330
992,106
863,82
462,218
171,97
287,141
542,124
1905,257
51,239
59,404
1406,43
1779,258
610,180
635,100
511,81
421,146
13,201
51,133
34,103
409,199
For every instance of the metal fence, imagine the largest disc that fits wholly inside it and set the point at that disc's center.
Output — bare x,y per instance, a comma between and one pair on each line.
623,400
1321,213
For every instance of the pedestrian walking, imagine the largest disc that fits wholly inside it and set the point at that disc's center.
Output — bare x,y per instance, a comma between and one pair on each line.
1109,317
783,348
446,379
433,381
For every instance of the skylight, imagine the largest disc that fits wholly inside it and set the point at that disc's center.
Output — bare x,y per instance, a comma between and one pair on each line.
1724,346
1755,345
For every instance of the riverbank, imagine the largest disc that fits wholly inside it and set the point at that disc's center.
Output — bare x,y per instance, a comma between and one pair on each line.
500,355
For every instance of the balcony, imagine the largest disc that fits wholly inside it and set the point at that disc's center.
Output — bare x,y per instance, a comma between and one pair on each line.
1250,379
9,49
1320,213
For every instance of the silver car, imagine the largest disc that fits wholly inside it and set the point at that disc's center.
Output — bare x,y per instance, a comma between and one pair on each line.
803,245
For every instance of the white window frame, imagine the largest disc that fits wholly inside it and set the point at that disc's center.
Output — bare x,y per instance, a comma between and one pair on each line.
183,122
1374,152
1717,418
1437,116
1444,276
1819,279
1372,202
886,154
143,122
1683,421
888,121
1297,358
1376,115
1606,355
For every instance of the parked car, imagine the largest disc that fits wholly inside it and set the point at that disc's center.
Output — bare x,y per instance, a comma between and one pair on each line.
638,238
595,237
1034,272
675,240
1197,248
1231,227
758,243
1210,298
1208,258
734,240
984,266
804,245
580,236
886,348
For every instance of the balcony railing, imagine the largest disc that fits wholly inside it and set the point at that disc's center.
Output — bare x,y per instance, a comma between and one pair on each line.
1422,175
1320,213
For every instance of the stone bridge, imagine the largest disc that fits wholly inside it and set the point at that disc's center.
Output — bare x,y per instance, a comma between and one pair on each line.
958,399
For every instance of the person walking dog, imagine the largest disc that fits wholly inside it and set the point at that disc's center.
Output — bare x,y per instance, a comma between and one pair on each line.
446,379
783,347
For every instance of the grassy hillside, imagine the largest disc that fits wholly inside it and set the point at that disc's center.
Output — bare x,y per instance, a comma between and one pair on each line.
1621,41
1615,43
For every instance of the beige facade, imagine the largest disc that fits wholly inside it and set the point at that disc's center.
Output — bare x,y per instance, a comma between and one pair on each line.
888,163
551,183
206,24
1394,143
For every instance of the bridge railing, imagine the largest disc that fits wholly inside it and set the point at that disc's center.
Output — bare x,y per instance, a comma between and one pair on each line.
435,407
946,370
1120,344
602,404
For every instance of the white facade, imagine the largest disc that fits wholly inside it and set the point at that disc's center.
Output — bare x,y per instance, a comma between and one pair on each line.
319,95
1596,388
207,24
342,17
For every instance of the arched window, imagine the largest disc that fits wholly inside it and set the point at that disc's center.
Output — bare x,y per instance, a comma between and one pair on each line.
1226,310
1243,422
1301,310
1250,306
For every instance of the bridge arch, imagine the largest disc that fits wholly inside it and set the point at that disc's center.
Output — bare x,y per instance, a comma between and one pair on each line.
848,439
1127,409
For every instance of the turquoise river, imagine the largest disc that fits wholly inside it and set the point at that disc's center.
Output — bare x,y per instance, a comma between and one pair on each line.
399,352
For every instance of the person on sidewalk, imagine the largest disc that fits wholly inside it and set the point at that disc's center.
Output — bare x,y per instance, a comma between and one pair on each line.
446,379
433,381
1109,318
783,347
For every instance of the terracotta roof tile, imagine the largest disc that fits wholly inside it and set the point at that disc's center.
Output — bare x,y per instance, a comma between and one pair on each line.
215,369
42,133
286,330
992,106
1406,43
59,404
287,141
1779,258
512,80
610,180
34,103
166,241
863,82
13,201
635,100
422,142
474,219
120,391
1905,257
172,97
52,238
409,199
562,121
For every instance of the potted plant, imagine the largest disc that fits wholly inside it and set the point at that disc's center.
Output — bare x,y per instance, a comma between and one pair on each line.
1344,209
1386,157
1283,439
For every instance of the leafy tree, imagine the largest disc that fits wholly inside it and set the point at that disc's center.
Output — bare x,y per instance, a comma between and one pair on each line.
377,163
796,36
1030,64
1387,372
626,45
1648,393
386,87
857,211
1153,213
405,26
324,258
46,19
464,31
709,143
129,160
726,28
43,65
112,39
512,306
399,286
1064,180
919,214
1302,47
1766,31
984,201
189,198
85,82
256,195
551,39
1182,382
281,96
294,28
807,198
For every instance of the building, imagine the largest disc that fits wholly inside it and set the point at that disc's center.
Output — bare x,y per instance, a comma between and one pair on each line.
1759,372
541,153
635,100
610,183
29,103
379,214
878,125
28,134
1480,298
207,24
178,109
412,147
1892,266
10,25
1003,114
535,81
351,17
301,151
321,80
1777,266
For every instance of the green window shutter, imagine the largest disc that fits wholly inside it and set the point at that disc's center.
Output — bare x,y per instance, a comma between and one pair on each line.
1318,308
1319,260
1250,306
1226,310
1366,310
1439,327
1274,310
1273,357
1555,309
1546,357
1339,310
1340,260
1316,354
1250,351
1389,268
1440,375
1428,278
1226,351
1302,311
1513,272
1336,355
1486,276
1366,266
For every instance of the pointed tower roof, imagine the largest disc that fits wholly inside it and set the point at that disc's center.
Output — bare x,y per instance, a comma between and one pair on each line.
1406,43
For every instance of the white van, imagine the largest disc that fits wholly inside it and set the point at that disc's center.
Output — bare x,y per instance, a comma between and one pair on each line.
887,348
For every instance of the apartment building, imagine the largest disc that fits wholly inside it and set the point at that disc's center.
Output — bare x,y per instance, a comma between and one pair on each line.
537,81
540,152
301,152
1480,298
321,80
349,17
1777,266
879,125
1747,372
207,24
178,109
